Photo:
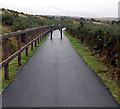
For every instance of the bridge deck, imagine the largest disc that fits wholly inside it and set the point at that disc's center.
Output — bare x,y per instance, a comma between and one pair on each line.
56,76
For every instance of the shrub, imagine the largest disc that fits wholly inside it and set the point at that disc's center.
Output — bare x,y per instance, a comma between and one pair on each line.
7,19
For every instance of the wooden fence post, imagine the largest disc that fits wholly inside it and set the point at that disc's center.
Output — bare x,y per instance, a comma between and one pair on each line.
26,41
35,43
32,39
19,47
32,46
6,67
38,41
35,40
40,38
40,33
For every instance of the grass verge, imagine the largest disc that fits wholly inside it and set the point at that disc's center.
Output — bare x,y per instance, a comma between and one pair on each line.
13,65
96,65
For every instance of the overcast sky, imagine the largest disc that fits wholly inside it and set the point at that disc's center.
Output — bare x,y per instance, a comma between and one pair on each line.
83,8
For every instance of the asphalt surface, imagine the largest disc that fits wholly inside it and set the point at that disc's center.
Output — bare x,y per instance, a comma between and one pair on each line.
56,76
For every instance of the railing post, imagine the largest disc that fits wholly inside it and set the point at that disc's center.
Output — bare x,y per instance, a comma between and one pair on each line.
32,46
26,41
19,47
6,67
40,38
38,41
32,39
35,43
35,40
40,33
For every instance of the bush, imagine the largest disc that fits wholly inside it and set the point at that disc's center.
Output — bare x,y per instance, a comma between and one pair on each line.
7,19
103,39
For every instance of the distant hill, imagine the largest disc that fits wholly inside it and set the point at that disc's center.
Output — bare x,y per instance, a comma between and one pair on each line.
14,20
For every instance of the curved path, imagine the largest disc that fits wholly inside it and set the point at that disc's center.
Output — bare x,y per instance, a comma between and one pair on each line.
56,76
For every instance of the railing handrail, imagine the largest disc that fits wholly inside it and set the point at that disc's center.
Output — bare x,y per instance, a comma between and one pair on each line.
3,63
40,32
19,32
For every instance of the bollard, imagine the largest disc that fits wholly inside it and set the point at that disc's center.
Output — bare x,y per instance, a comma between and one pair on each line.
60,28
51,30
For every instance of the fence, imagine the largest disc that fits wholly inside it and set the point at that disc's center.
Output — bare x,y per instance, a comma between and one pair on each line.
40,32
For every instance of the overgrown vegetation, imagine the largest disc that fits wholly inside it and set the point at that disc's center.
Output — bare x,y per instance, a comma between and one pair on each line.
96,65
103,40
